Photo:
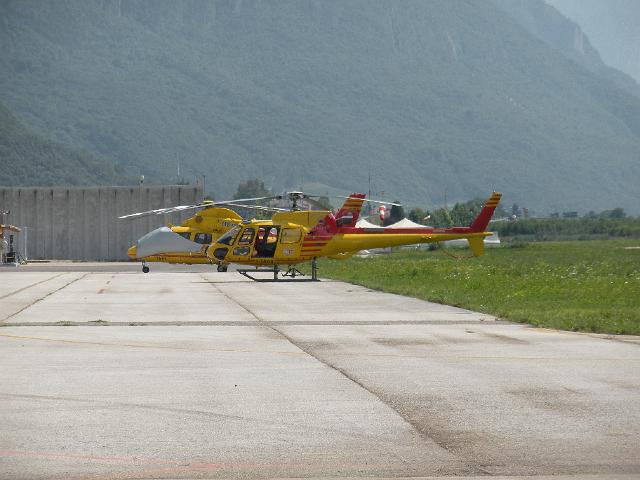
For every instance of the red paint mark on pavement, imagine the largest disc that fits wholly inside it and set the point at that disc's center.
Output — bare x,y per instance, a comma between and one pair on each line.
98,458
162,466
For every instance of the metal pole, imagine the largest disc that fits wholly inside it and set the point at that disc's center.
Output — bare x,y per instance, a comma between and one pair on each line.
4,214
367,204
26,257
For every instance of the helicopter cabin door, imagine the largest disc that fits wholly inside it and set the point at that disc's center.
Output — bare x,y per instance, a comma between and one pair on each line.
290,240
266,242
244,244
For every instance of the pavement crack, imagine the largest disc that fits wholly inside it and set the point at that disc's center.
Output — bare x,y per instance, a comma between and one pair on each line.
110,404
107,404
44,297
469,467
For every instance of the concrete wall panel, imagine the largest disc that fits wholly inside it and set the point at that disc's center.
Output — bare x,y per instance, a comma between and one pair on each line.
81,223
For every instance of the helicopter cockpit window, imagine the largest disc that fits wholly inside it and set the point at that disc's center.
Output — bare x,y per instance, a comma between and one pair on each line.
290,235
247,236
203,238
228,237
185,235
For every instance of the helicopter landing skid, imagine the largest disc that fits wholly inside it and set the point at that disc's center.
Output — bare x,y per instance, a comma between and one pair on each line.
291,274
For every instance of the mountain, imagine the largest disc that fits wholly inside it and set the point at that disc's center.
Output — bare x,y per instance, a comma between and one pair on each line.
429,97
547,23
29,159
612,27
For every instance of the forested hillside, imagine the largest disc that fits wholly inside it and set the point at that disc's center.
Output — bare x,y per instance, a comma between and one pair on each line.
29,159
428,96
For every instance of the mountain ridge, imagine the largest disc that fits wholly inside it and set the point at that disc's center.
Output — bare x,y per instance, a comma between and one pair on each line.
566,36
450,96
612,27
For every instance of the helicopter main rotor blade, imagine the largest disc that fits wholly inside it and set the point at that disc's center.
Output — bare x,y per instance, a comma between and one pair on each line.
239,203
368,200
258,207
242,200
180,208
160,211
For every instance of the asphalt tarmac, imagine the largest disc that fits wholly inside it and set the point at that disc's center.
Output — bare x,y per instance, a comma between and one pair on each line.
108,373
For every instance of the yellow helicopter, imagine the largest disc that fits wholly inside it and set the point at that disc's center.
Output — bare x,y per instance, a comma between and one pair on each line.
184,243
187,243
288,239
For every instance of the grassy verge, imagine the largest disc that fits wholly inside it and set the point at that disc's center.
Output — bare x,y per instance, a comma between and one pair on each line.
591,286
554,229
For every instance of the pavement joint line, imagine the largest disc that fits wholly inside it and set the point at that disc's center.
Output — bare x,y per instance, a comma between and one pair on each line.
42,298
473,467
241,323
29,286
303,352
141,345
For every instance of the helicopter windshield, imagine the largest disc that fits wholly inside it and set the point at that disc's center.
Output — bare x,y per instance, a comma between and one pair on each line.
228,237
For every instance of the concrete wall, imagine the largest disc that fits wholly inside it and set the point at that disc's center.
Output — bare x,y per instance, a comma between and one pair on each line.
81,223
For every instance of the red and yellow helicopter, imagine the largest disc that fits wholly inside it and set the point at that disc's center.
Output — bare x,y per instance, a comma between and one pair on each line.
287,239
187,243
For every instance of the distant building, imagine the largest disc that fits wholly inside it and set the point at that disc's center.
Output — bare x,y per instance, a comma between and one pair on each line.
569,214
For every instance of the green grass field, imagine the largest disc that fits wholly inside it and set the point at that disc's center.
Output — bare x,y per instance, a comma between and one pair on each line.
591,286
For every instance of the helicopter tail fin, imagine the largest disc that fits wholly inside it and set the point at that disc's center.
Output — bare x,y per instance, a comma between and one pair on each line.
351,207
347,216
482,220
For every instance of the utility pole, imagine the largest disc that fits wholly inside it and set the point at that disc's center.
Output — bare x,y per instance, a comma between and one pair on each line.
24,238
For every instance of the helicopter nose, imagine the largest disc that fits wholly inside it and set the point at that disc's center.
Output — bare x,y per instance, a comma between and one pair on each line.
131,253
163,240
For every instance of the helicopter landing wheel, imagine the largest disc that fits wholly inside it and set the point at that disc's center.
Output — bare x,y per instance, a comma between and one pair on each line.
145,269
222,268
